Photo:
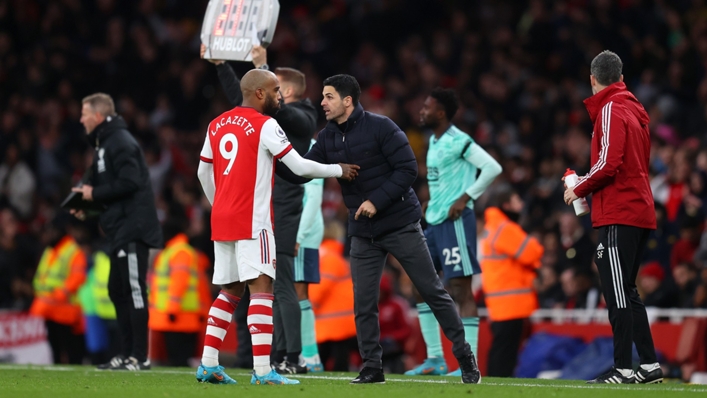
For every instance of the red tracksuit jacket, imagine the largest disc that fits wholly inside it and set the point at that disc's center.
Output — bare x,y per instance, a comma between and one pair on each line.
621,149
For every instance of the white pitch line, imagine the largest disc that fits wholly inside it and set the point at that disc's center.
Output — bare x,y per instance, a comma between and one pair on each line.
449,381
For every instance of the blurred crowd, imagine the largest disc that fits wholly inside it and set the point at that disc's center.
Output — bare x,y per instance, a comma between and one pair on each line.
521,70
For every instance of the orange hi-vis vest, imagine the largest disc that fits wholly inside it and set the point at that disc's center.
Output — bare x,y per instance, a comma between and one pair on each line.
60,274
332,298
509,260
174,288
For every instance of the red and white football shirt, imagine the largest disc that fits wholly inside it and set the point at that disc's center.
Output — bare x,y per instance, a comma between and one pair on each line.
243,144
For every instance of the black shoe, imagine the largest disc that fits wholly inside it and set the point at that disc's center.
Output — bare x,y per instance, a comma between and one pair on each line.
286,368
131,363
370,376
653,376
114,363
470,370
613,376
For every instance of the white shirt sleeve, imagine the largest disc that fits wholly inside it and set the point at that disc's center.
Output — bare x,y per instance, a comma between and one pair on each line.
273,137
309,169
205,172
206,153
489,167
206,177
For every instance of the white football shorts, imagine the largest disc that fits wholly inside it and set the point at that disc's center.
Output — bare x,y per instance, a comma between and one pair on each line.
244,260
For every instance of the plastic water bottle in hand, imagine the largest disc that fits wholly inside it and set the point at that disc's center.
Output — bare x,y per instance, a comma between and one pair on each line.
581,207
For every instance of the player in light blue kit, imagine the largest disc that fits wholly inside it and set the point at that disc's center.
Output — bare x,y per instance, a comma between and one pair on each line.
309,238
453,159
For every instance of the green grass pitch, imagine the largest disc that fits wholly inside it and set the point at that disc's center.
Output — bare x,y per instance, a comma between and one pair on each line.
74,382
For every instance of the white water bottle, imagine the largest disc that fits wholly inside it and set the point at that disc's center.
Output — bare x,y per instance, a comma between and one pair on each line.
581,207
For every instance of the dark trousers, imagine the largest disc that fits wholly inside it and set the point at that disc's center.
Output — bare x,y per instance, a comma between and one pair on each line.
287,316
503,355
64,341
408,246
339,352
128,292
618,257
180,347
244,352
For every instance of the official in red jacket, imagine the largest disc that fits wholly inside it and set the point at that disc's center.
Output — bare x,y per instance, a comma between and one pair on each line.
623,211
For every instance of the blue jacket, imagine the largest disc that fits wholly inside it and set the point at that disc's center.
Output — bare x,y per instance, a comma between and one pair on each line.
388,169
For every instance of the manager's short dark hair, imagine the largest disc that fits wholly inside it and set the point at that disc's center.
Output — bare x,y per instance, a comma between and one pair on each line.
447,99
606,68
346,86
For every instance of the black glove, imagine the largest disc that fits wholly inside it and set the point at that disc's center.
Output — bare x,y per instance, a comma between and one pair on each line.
173,318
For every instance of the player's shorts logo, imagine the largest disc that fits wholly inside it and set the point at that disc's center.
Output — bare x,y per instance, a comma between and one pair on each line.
273,264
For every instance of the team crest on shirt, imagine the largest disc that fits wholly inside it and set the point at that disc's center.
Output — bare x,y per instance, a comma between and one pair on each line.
440,154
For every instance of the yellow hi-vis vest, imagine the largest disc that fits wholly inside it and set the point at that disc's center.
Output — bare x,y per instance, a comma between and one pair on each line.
163,270
52,275
99,288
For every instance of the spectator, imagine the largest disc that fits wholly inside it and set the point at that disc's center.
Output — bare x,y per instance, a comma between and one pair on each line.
654,290
549,289
17,182
18,260
685,248
685,277
580,288
395,329
576,245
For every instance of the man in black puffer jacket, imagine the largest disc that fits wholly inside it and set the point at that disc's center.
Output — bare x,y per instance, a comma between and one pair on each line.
120,181
384,218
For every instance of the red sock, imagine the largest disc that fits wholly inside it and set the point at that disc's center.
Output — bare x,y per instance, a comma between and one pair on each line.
260,327
220,316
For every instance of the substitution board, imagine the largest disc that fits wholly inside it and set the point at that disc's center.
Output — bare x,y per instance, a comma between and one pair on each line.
232,27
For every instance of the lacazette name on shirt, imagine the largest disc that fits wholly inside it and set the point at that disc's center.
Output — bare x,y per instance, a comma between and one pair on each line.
236,120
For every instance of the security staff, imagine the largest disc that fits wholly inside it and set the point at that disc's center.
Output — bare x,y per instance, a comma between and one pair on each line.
175,307
121,182
60,274
510,258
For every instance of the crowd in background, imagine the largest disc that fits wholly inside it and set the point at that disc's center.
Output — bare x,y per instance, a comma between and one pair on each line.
521,71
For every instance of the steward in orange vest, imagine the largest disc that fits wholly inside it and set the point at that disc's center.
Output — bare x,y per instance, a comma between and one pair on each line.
332,301
60,274
509,260
176,307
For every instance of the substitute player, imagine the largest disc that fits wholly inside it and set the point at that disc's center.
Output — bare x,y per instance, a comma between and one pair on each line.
453,159
309,238
236,173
